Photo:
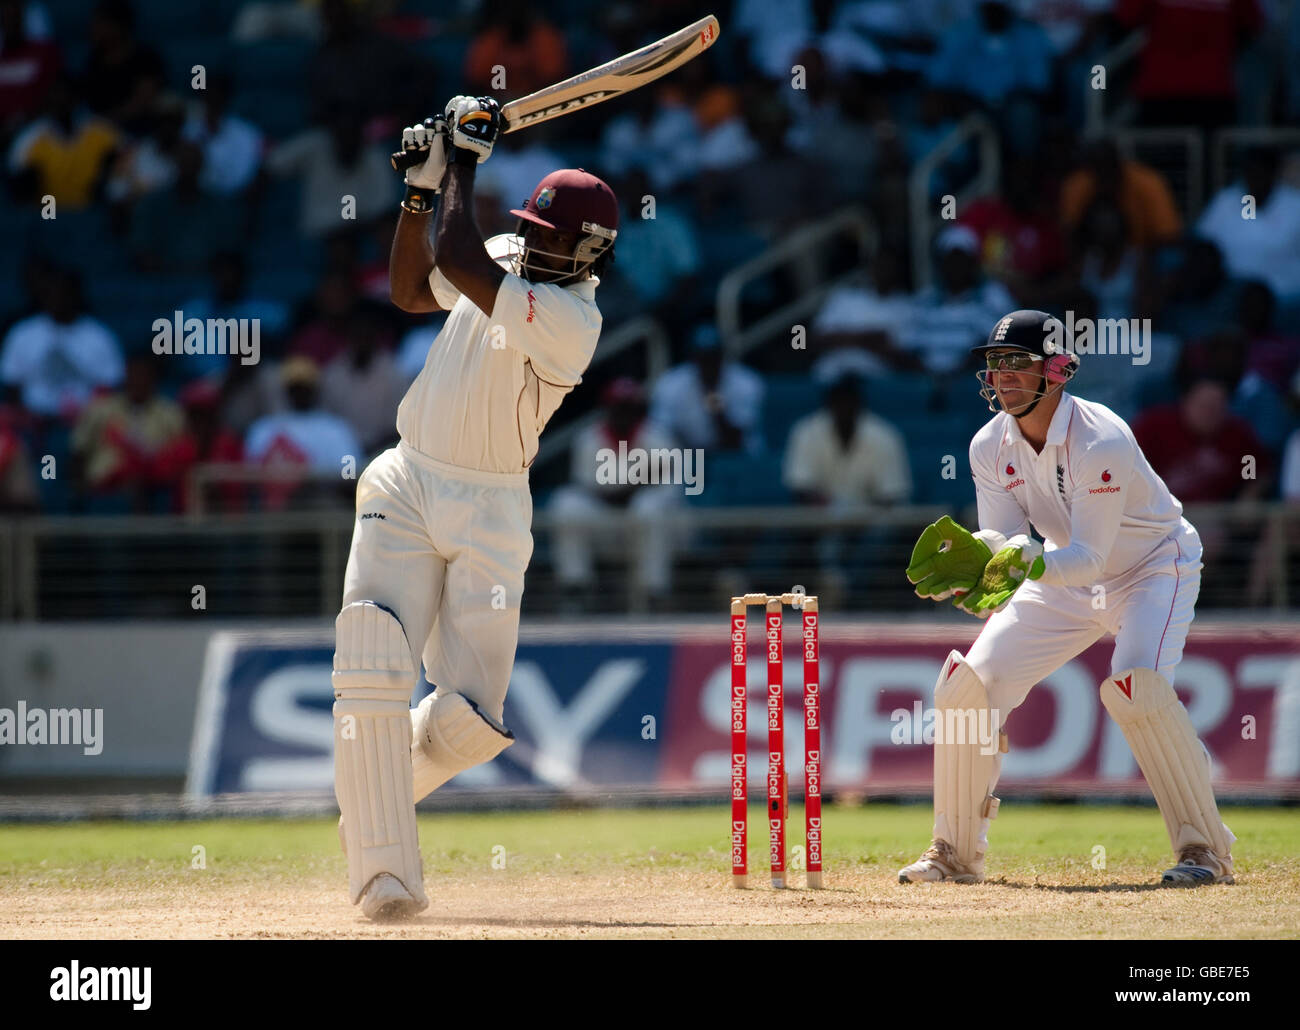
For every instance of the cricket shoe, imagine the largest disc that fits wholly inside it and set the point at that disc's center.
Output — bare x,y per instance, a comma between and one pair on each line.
1198,865
939,863
386,900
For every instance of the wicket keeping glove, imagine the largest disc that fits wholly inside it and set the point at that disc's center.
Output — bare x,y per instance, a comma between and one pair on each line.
475,123
948,559
1018,562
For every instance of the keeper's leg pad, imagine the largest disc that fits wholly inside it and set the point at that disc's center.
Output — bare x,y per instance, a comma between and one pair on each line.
1170,755
451,734
373,676
968,748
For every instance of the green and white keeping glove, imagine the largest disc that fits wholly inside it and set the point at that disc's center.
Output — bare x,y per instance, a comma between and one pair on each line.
948,558
1020,560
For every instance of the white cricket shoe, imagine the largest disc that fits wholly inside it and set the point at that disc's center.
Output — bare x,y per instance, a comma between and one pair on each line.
386,900
939,863
1198,865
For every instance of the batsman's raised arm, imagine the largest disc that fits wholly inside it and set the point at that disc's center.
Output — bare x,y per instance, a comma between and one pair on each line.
411,261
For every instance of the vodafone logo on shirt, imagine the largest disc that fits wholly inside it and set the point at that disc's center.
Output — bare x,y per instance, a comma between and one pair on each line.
1105,478
1011,471
531,298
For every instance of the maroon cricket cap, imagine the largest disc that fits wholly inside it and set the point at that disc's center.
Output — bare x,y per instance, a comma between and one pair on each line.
568,197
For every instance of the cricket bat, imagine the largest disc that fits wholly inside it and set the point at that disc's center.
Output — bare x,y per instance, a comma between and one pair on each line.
621,75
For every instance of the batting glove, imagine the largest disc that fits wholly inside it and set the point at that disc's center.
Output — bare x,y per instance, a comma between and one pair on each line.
429,139
475,123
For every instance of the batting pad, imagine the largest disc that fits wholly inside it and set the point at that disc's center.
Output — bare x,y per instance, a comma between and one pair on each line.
966,767
373,674
1170,755
451,734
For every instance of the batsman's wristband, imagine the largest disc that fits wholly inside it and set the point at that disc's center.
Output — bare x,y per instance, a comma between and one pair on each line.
419,201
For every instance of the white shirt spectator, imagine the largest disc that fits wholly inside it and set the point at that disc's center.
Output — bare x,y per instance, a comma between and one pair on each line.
310,156
1290,485
777,30
1265,247
367,398
944,328
873,470
678,404
513,174
657,251
861,309
231,154
663,149
57,366
316,439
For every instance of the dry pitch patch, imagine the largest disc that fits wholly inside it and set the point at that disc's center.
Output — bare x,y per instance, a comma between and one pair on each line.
644,873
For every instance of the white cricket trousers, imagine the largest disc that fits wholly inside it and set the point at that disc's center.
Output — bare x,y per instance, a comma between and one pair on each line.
1149,611
445,548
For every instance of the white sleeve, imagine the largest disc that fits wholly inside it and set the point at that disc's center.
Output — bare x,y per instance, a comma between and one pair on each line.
550,326
799,471
998,509
1095,513
443,291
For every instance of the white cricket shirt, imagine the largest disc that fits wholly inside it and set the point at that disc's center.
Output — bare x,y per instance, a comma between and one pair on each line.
1100,508
491,383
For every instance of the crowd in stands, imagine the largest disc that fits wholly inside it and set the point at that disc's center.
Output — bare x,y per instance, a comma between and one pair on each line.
233,165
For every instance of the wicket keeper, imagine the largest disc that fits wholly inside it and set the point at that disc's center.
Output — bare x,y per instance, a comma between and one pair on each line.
1072,470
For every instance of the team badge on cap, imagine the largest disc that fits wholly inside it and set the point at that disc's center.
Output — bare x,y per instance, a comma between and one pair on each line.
545,197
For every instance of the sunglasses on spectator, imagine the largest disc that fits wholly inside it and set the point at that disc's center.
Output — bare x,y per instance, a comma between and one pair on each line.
1018,361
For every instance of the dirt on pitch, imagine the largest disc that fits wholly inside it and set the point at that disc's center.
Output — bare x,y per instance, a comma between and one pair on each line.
658,874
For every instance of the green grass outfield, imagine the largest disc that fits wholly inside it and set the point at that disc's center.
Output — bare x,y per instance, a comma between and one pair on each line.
547,862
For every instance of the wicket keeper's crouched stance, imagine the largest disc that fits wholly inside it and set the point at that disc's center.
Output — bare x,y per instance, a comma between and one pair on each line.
443,531
1072,470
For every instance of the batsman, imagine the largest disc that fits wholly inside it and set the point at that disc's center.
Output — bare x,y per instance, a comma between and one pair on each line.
443,531
1118,557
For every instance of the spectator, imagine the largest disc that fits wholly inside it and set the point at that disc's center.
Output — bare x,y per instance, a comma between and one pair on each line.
148,165
513,36
1272,360
661,254
1140,193
1109,266
1267,245
332,164
178,231
292,19
844,455
955,313
17,484
514,172
205,440
123,77
656,135
867,320
1195,296
65,154
774,170
28,68
232,147
1020,243
931,125
581,533
1197,445
305,438
363,385
708,401
351,53
772,32
36,22
56,359
992,56
119,437
1187,67
328,332
227,298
